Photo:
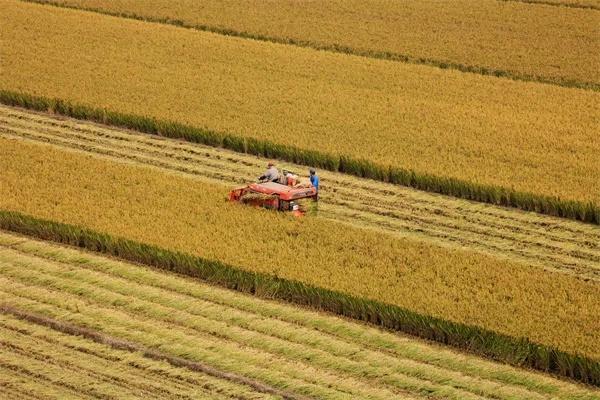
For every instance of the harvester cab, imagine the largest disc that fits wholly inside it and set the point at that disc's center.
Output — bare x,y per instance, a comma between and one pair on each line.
275,196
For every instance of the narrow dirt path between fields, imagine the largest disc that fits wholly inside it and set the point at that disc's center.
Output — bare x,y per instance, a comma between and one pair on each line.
549,242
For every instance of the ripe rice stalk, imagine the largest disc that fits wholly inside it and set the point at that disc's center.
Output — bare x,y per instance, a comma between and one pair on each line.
542,44
252,198
577,210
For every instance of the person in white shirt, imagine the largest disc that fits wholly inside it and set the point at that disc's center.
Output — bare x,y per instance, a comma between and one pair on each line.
271,174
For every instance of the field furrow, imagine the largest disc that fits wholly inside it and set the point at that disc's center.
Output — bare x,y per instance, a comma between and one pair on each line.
121,369
36,386
299,350
541,240
585,4
94,369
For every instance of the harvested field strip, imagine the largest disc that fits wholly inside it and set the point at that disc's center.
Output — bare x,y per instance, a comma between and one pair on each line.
380,375
441,142
187,343
110,372
74,363
397,372
539,44
55,389
486,342
539,240
283,317
133,202
188,319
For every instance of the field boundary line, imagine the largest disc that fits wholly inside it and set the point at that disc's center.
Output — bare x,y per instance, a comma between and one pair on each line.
554,4
340,48
515,351
153,354
502,196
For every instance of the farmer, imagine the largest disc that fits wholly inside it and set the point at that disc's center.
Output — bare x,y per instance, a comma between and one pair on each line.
271,174
314,180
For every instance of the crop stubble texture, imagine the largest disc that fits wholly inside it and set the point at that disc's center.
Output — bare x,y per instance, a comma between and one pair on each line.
552,309
538,43
163,308
39,362
552,243
283,94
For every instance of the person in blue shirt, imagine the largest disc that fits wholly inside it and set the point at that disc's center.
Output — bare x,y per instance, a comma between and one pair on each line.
314,180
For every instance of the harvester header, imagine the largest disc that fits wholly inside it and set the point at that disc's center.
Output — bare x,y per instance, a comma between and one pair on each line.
275,196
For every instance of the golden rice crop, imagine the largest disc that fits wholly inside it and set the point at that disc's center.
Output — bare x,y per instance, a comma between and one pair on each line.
539,42
465,287
167,305
530,137
569,246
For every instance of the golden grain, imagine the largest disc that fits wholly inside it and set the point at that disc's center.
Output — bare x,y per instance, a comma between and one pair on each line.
135,202
545,42
531,137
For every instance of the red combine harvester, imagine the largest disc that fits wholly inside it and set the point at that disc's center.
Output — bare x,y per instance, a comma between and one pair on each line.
274,196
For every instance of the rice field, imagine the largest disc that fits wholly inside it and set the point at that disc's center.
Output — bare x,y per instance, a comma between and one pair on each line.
178,74
547,242
552,309
301,353
418,32
459,199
